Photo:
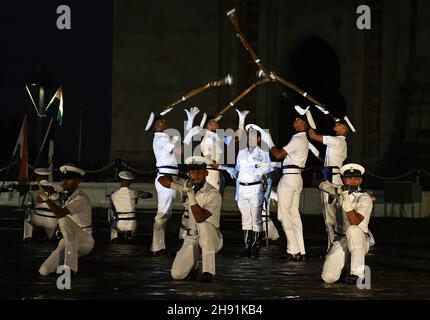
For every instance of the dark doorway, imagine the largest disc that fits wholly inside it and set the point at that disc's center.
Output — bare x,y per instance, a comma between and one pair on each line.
315,68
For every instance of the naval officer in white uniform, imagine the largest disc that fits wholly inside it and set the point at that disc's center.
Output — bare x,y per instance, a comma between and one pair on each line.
39,215
294,156
204,237
335,155
352,234
74,219
123,215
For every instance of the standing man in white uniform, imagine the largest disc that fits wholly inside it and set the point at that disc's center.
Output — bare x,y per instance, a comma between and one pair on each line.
352,239
294,156
123,216
39,215
249,193
212,147
74,219
335,155
165,155
204,206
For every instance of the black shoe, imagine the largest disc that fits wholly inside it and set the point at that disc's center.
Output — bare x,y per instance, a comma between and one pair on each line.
302,257
159,253
27,240
206,277
294,257
114,241
351,279
193,275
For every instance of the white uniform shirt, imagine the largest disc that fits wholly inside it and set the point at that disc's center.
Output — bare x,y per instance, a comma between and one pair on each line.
297,150
212,146
336,151
362,204
246,161
124,200
210,199
163,146
80,208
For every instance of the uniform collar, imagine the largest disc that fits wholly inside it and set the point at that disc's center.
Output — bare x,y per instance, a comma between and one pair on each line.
299,134
204,188
256,149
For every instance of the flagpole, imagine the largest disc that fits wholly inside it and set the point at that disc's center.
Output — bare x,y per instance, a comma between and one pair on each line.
37,160
13,153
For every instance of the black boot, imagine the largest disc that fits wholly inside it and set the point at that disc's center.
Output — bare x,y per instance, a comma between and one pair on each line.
247,238
256,243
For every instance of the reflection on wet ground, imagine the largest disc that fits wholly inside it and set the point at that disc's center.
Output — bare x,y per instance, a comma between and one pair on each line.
400,265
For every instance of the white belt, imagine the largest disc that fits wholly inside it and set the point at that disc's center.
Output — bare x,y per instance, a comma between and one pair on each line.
169,171
291,171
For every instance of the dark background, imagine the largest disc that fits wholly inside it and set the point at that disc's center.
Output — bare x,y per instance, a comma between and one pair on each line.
80,59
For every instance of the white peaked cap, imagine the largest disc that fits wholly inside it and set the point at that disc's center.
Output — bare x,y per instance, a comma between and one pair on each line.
68,168
198,160
42,171
352,169
126,175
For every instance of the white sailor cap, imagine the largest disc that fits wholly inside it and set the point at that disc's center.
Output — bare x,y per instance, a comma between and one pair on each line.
126,175
253,126
306,115
352,170
42,171
345,121
70,171
197,162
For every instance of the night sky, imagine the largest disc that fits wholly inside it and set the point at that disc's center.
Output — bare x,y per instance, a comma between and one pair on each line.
80,59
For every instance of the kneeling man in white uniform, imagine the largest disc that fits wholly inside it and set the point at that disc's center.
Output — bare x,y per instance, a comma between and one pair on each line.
352,234
204,237
74,220
122,215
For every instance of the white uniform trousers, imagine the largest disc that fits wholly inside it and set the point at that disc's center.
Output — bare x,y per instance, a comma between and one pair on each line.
250,203
34,220
165,198
329,212
354,245
119,225
289,189
209,240
213,178
75,243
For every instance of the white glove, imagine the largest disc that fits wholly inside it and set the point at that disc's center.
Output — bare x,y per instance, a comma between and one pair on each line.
231,171
176,186
346,201
330,188
42,194
265,165
191,197
189,137
267,139
242,116
191,114
54,196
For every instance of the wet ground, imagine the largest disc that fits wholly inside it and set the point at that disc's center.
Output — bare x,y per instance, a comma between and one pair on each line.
400,265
